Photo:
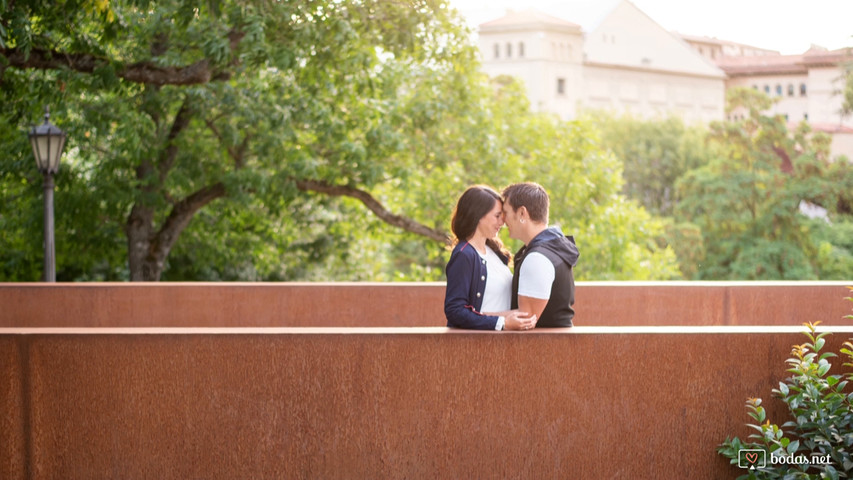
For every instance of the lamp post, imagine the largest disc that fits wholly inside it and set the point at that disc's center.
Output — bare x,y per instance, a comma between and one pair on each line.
48,141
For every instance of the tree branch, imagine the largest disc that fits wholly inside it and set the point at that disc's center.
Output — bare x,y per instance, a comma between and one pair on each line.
237,154
367,199
170,153
140,72
180,216
787,165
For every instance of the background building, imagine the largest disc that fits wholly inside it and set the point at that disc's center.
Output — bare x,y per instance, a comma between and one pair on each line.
545,52
807,88
629,64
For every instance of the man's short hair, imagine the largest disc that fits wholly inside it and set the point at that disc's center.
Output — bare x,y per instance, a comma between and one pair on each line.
531,196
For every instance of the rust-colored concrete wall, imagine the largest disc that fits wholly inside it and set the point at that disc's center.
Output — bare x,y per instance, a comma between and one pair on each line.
712,303
13,429
404,304
395,403
221,304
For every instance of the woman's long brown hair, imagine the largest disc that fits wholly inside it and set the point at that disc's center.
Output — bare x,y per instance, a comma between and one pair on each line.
475,203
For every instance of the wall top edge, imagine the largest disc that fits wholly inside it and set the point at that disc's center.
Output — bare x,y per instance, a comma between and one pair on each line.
626,283
581,330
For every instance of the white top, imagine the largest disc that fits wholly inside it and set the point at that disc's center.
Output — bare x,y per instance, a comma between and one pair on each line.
498,292
536,276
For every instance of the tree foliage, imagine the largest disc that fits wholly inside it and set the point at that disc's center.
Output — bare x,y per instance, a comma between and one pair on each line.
495,139
746,200
227,140
172,105
655,154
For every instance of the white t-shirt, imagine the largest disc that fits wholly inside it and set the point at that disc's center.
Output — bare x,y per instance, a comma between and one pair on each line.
536,276
497,295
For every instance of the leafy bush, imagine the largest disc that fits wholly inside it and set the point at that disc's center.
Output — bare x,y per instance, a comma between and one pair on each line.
822,424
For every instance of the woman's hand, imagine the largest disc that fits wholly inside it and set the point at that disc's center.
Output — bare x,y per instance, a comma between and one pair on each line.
517,320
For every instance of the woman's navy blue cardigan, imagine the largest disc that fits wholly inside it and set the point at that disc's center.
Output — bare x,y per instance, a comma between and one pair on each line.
466,285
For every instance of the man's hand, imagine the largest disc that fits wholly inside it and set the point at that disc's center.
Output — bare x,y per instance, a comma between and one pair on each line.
517,320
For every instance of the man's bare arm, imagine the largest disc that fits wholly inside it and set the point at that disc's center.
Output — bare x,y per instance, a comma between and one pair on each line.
531,305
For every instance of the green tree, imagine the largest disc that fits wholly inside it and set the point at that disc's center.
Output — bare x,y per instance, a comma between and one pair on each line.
501,142
834,248
172,105
847,89
449,138
246,140
746,200
655,154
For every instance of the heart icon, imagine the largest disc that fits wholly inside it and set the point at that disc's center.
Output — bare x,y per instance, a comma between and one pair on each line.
752,457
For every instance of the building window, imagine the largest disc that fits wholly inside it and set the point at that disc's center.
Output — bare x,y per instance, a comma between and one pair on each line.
802,89
508,50
520,49
790,90
778,90
767,89
806,116
497,51
755,87
561,86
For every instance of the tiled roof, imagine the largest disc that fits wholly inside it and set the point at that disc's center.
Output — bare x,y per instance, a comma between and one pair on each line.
815,57
779,64
751,65
830,128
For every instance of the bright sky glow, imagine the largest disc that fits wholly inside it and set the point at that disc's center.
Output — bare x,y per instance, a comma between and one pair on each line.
789,26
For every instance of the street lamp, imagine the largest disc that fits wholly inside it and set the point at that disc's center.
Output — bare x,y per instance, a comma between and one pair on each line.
48,141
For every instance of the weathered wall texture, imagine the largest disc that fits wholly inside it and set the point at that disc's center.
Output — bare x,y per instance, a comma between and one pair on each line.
425,403
404,304
13,431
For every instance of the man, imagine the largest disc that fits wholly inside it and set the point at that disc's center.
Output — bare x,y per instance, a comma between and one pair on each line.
543,283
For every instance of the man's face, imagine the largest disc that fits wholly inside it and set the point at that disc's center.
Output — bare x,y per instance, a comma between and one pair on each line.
511,220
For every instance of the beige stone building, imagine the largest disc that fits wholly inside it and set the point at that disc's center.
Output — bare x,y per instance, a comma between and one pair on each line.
807,88
545,52
629,64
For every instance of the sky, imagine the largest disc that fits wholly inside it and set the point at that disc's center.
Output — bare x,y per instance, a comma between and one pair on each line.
788,26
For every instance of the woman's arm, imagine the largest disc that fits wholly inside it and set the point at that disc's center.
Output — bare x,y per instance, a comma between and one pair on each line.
458,306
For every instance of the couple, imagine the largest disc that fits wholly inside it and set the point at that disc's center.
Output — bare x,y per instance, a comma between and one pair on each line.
482,293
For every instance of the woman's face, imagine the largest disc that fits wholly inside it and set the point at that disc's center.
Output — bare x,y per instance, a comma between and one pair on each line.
491,223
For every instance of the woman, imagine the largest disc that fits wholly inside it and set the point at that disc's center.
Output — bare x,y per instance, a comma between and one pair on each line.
478,278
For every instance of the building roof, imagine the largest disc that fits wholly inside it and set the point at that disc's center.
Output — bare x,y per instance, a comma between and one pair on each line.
720,42
783,64
627,37
527,19
830,127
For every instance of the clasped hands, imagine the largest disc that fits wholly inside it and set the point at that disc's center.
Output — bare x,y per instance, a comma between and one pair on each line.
517,320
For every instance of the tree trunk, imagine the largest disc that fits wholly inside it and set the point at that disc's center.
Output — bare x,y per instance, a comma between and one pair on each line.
139,225
147,252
